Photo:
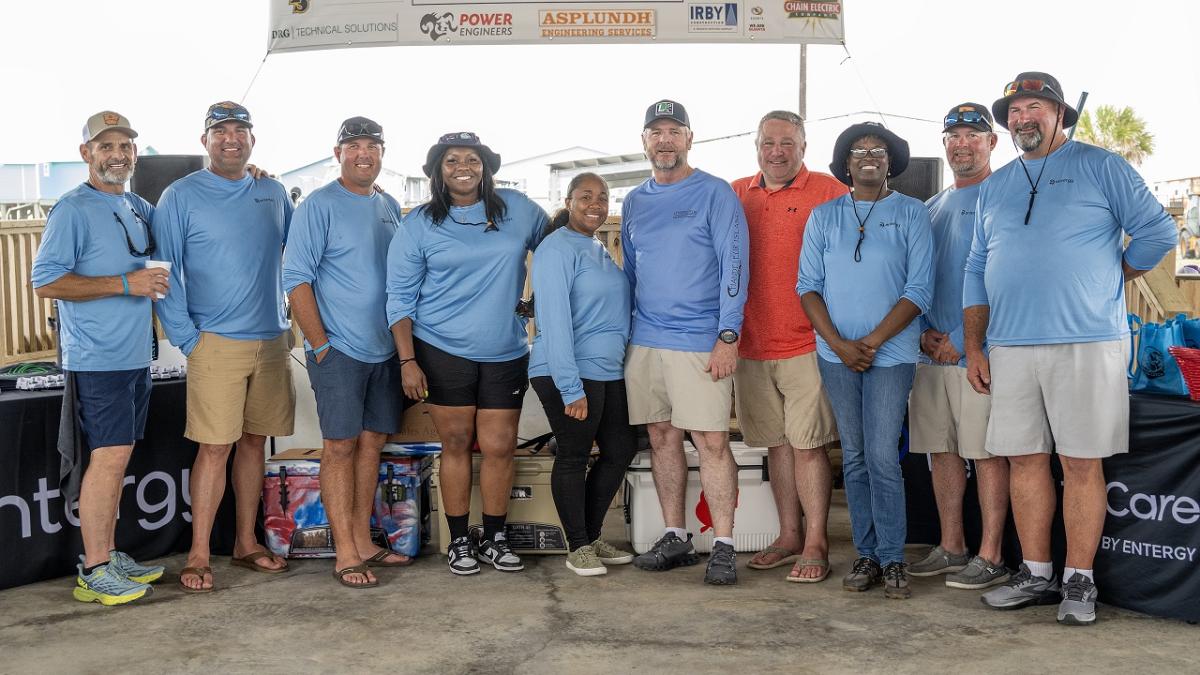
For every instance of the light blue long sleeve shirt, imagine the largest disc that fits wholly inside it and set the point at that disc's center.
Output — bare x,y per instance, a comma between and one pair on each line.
224,239
582,313
686,250
83,237
952,217
1059,279
460,283
338,244
897,262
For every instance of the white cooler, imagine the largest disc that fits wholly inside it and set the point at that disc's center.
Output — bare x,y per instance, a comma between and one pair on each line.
756,523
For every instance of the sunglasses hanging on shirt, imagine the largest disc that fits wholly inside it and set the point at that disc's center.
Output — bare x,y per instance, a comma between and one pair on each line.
150,243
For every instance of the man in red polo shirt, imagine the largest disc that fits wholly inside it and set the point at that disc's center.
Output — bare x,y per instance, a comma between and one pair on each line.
780,402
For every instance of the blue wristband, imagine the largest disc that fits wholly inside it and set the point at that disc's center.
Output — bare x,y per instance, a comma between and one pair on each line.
124,285
323,347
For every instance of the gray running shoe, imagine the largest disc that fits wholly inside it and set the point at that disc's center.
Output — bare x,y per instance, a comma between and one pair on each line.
939,561
1023,590
895,582
978,574
864,574
1078,606
668,553
722,565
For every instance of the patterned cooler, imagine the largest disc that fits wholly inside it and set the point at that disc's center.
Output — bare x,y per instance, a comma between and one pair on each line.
294,516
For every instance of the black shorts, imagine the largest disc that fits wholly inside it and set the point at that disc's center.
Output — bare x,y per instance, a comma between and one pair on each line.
455,381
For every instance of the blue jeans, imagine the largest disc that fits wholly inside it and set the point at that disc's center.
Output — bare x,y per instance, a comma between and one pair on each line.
870,409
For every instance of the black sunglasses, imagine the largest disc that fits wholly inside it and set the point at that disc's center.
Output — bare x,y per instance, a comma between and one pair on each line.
359,130
150,243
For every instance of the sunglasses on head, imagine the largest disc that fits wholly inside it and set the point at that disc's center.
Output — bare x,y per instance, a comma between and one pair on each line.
861,153
1026,85
220,114
967,117
359,129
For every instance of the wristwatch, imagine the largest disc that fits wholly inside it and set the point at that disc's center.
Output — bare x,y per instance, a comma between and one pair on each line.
728,336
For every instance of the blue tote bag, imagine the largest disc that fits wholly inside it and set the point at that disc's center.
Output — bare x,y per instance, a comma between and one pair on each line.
1157,372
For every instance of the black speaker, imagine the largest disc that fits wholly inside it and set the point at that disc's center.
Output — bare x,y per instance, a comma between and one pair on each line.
922,179
155,172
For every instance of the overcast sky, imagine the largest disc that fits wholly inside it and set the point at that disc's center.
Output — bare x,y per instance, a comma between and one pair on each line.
162,62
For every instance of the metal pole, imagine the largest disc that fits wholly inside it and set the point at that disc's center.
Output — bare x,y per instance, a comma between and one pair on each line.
803,103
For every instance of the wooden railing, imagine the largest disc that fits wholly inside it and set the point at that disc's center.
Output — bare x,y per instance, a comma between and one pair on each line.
26,335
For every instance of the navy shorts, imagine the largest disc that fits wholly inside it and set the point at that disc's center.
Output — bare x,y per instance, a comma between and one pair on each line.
113,405
455,381
354,396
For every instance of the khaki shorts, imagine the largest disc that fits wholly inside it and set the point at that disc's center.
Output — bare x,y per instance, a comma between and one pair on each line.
236,386
665,385
946,414
1070,398
782,401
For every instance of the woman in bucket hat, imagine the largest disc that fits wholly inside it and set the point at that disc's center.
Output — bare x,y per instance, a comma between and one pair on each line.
865,275
456,269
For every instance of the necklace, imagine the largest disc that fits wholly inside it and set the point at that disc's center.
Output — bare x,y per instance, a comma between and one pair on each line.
1034,183
491,227
862,222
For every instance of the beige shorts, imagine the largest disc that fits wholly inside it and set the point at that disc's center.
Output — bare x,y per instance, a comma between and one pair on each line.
1070,398
669,386
236,386
946,414
782,401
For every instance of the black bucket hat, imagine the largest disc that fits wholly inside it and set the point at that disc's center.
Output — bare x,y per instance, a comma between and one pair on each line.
459,139
897,149
1038,85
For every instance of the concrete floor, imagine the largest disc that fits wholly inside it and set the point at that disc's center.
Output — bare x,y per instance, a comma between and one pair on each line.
547,620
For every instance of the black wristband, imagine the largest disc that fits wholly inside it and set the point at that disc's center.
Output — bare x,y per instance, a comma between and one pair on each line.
404,361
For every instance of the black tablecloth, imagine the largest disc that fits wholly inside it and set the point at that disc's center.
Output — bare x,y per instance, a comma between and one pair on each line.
1149,556
39,537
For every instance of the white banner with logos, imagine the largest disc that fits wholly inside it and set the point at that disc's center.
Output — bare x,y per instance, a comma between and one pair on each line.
298,25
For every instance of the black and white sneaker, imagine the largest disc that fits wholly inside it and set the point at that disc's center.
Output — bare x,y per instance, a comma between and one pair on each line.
460,555
497,552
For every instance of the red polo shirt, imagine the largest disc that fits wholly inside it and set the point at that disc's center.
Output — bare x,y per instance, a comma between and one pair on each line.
775,325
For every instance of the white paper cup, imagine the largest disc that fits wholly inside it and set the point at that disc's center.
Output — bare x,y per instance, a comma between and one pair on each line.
159,263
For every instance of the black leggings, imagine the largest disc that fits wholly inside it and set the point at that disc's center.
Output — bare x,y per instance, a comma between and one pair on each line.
582,497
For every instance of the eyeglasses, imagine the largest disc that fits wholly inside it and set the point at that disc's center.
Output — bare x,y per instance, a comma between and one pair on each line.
359,130
1026,85
967,117
860,153
150,243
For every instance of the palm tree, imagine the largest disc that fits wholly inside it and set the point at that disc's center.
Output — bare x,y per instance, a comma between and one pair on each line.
1120,131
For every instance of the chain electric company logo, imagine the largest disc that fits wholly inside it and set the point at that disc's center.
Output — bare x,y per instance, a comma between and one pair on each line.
719,17
600,23
467,25
803,9
299,6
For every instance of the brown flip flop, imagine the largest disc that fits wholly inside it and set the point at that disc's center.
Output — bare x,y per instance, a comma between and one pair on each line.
195,571
340,575
810,562
380,559
785,557
250,562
